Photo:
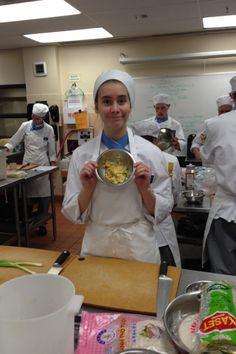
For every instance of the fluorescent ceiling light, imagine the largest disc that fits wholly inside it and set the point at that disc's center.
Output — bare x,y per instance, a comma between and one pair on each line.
36,9
69,36
219,21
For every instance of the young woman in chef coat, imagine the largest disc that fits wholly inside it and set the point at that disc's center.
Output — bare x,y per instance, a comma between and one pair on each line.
119,221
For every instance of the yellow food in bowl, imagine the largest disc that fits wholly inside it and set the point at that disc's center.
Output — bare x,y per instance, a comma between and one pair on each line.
116,173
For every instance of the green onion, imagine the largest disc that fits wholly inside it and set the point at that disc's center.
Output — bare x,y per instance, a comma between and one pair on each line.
20,265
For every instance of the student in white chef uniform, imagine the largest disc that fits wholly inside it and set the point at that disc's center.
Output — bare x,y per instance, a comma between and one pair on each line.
39,148
224,104
161,104
219,149
165,230
119,221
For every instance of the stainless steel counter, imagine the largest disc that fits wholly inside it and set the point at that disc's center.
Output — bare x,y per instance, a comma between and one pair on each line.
13,183
184,207
190,276
190,221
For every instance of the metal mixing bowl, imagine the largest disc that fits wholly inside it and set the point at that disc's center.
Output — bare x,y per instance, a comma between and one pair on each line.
182,308
193,197
116,157
196,286
165,137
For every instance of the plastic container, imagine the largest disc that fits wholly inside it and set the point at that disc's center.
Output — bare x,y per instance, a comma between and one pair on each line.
189,176
37,315
3,166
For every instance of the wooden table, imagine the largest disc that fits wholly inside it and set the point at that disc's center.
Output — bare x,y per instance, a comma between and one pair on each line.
105,282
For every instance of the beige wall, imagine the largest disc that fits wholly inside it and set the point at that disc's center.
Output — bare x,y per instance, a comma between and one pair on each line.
11,67
42,87
89,60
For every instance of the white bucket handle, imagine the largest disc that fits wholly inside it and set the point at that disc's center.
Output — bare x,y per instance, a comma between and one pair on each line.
75,303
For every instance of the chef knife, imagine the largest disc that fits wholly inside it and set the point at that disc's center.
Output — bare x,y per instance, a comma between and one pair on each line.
57,265
164,289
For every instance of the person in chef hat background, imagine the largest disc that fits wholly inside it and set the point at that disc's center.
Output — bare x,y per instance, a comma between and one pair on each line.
165,231
161,104
39,149
218,150
119,220
149,131
224,104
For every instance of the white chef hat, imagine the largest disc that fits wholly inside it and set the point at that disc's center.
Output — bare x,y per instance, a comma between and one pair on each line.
233,83
161,98
40,109
222,100
146,127
118,75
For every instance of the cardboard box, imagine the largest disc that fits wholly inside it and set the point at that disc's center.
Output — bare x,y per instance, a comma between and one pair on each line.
81,120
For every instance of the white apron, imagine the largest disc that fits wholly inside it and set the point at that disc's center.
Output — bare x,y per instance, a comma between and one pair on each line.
123,232
218,198
39,187
166,230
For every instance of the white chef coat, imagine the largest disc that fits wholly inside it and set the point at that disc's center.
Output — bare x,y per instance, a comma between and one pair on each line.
199,138
39,146
219,149
118,224
165,230
172,124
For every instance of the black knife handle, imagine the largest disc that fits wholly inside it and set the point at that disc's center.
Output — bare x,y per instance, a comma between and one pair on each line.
163,268
61,259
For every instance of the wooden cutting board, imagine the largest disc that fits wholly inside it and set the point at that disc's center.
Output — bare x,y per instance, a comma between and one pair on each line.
11,253
118,284
25,167
109,283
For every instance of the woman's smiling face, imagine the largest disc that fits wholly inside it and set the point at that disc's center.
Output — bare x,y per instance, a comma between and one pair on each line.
113,105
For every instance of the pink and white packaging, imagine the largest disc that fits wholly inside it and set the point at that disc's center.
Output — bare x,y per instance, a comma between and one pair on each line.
109,333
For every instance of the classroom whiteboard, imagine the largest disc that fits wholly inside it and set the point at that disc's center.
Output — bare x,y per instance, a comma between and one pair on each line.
193,98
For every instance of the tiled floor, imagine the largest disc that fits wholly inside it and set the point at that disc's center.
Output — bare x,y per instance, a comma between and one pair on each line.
69,235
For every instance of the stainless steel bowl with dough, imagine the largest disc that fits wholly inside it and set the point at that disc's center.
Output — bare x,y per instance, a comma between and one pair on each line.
180,320
115,167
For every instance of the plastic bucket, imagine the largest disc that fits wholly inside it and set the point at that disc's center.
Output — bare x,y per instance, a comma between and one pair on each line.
37,315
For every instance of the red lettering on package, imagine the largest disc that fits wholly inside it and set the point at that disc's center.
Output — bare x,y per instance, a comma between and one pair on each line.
218,321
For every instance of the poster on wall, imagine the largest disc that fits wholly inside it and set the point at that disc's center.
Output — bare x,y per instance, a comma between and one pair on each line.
68,116
73,103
